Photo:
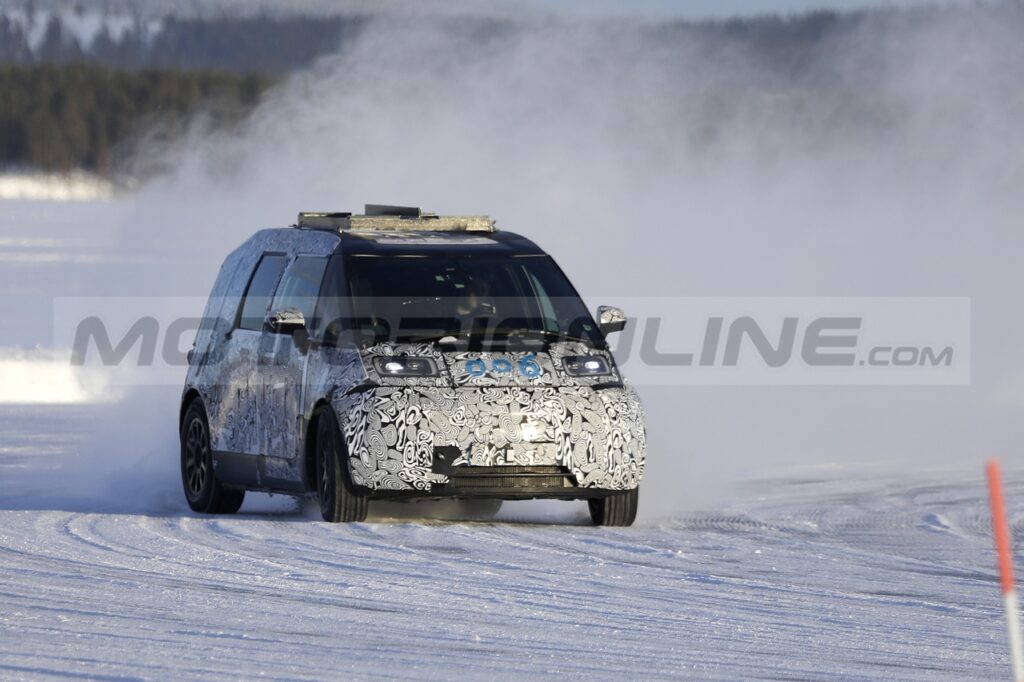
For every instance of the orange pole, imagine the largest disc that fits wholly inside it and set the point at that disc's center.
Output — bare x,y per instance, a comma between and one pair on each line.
1001,530
1000,527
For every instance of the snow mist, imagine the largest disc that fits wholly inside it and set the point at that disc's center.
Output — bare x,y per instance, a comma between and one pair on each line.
655,160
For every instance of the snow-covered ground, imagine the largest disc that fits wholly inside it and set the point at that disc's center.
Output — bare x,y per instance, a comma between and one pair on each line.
840,577
831,570
76,186
850,574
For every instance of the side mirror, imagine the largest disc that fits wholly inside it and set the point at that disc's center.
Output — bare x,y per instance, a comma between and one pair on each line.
292,322
610,319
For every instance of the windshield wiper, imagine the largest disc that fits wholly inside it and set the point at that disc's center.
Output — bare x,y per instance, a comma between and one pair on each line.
457,334
434,338
539,333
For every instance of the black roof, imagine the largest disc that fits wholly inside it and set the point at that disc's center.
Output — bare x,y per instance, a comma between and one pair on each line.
422,243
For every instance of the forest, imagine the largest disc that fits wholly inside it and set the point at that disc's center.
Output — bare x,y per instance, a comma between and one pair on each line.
81,116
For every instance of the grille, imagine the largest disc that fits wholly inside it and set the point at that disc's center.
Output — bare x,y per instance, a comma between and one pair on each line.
504,477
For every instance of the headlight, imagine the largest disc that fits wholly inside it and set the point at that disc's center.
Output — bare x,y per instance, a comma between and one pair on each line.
586,366
405,367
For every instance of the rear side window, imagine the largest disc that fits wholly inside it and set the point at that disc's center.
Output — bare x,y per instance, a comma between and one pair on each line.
260,291
300,286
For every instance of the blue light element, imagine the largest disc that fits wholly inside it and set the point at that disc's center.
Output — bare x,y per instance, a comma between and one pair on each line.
501,366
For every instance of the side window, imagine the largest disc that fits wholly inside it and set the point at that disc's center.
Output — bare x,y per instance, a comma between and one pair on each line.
259,292
300,286
330,309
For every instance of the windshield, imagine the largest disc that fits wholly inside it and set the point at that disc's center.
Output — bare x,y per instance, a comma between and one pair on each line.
428,298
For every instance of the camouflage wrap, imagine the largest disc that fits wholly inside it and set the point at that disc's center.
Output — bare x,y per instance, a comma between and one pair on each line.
540,417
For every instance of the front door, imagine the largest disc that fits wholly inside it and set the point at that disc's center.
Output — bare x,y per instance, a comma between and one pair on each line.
235,416
281,365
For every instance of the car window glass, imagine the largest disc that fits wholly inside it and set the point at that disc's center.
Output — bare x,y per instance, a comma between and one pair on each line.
300,286
541,296
392,294
259,292
327,319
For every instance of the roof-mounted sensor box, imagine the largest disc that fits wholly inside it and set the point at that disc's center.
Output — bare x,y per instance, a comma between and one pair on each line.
379,217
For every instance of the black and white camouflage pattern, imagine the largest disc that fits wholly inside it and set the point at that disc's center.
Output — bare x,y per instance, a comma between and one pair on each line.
610,315
494,420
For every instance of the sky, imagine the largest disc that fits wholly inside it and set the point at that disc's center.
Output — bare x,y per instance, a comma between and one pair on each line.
720,8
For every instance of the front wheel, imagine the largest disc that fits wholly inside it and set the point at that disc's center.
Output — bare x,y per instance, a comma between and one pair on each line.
617,509
203,491
339,502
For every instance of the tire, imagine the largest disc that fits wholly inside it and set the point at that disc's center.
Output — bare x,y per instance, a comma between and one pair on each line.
617,509
339,501
203,491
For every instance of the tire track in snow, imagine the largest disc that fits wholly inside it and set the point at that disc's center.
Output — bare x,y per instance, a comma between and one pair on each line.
848,579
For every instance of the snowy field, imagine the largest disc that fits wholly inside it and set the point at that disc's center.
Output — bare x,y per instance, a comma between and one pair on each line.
849,574
822,570
844,577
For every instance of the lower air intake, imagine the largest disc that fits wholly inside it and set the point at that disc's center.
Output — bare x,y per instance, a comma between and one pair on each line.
469,478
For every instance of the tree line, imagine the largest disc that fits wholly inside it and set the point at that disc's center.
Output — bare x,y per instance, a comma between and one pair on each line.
61,118
241,44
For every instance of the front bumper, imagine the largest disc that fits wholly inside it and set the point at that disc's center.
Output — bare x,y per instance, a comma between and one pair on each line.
502,482
437,441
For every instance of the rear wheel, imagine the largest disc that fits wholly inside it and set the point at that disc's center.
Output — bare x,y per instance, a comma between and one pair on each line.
617,509
339,502
203,491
